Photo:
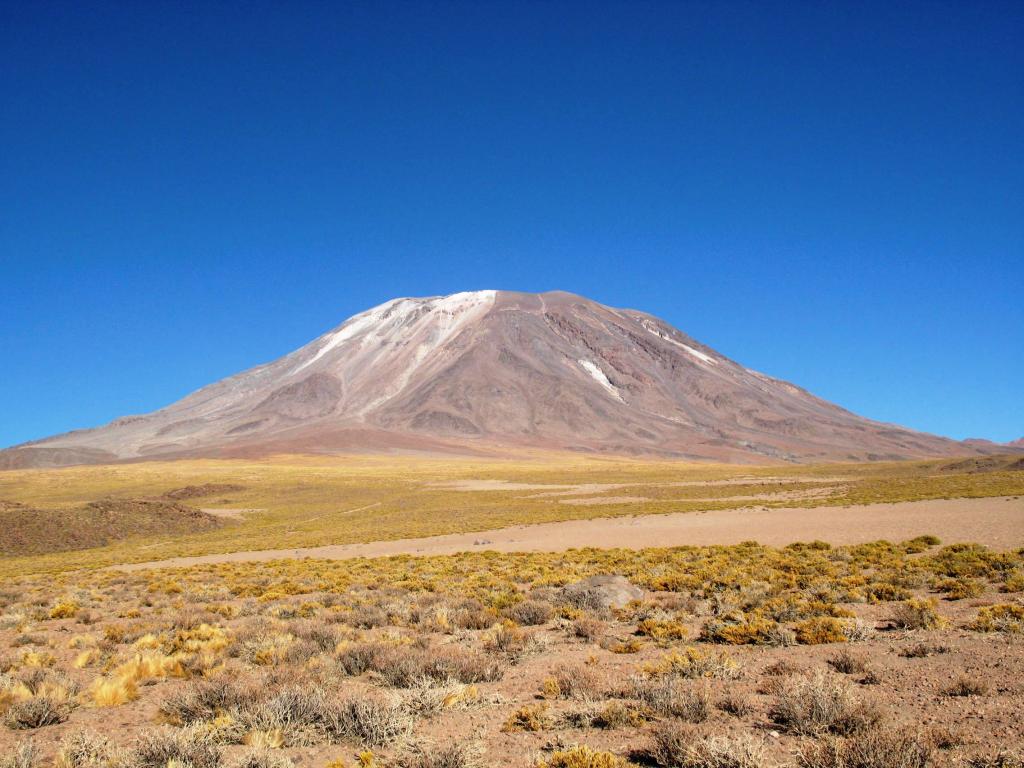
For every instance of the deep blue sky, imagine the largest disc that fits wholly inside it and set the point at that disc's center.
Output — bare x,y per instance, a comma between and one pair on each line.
831,193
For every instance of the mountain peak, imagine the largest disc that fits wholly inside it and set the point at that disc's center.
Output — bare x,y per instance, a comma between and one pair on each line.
491,371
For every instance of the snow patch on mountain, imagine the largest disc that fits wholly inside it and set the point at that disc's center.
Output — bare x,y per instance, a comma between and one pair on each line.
399,321
697,353
704,358
598,375
360,323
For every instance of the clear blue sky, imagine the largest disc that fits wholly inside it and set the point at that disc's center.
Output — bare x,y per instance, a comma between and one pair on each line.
832,193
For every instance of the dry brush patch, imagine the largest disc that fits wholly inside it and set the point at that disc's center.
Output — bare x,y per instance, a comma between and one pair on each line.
260,664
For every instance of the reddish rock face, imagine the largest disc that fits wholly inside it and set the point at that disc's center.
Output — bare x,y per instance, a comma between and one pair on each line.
488,371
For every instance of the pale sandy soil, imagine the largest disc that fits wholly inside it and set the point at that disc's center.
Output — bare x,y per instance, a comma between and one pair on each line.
582,488
997,522
588,501
230,514
579,490
591,501
758,480
496,485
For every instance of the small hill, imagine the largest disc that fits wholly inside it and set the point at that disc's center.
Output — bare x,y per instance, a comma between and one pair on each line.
202,491
976,464
30,530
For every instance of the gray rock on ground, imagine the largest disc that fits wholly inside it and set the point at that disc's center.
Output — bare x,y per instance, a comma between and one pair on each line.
602,592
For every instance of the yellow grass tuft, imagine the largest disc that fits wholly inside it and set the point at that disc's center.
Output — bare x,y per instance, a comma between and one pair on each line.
86,659
65,609
272,739
113,691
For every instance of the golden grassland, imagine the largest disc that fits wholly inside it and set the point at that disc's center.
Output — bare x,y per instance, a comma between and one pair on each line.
305,501
477,659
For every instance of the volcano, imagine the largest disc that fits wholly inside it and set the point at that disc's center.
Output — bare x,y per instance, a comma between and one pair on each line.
493,372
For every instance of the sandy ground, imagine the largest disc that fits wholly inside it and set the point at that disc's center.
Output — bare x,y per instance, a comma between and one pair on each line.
230,514
584,488
588,501
996,522
592,501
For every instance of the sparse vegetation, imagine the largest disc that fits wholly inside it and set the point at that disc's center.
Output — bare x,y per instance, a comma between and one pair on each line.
917,613
821,703
966,686
388,498
582,757
871,748
677,746
256,665
1000,618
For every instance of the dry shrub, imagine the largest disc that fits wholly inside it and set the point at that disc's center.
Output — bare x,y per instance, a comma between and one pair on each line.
322,635
629,645
582,757
528,718
587,628
1014,581
965,686
693,663
430,699
293,715
374,720
735,704
511,642
359,658
679,746
36,712
1001,759
819,703
917,613
64,609
616,714
192,747
471,614
204,701
404,666
857,630
960,589
675,697
781,668
819,630
662,630
574,681
738,628
453,755
872,748
366,617
262,758
530,612
941,737
1004,617
24,755
922,650
847,663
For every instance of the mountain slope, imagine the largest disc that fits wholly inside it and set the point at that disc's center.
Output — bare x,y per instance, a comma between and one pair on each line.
492,370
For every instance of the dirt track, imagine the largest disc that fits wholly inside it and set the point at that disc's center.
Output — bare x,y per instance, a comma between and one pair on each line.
996,522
